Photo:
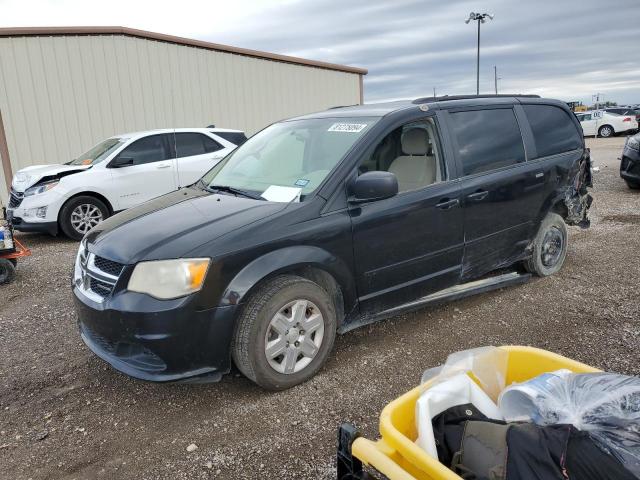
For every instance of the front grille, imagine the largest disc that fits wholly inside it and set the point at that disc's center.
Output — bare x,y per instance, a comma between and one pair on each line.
15,198
101,288
108,266
96,276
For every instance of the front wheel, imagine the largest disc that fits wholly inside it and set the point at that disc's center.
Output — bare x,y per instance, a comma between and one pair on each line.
81,214
549,247
285,332
7,271
633,185
606,131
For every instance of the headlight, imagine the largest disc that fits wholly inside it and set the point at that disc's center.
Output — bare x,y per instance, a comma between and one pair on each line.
633,142
43,187
166,279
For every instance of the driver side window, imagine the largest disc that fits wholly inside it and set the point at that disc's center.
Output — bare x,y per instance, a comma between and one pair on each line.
147,150
411,153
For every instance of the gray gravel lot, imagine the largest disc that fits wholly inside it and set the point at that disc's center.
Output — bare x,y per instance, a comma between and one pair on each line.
65,414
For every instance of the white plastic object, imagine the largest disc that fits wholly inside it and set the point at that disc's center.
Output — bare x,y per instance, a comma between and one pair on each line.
458,389
607,405
488,365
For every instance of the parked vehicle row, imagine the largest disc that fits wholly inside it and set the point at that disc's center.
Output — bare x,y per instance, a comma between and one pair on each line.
118,173
326,222
604,123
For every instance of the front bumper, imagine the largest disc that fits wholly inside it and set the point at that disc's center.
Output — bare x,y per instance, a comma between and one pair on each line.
157,340
630,164
25,218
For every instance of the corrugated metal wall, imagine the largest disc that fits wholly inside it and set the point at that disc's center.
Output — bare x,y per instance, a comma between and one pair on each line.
62,94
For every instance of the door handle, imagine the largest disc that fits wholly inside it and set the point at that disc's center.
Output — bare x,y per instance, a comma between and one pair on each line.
479,195
163,165
446,203
539,174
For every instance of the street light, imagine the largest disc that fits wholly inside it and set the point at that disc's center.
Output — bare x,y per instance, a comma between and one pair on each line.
480,18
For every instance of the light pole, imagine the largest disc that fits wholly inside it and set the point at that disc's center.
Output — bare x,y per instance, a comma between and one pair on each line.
480,18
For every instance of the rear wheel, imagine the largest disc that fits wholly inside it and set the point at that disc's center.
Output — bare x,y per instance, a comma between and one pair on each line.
606,131
285,332
7,271
549,247
80,214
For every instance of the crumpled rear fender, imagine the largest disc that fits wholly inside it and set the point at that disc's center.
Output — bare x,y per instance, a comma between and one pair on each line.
576,195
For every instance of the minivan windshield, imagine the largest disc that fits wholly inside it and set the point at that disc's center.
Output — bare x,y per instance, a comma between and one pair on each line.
288,160
98,153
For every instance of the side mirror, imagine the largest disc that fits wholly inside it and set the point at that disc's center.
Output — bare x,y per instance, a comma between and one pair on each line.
120,162
373,186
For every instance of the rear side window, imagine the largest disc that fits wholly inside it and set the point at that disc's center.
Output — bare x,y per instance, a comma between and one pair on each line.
487,139
189,144
146,150
237,138
553,130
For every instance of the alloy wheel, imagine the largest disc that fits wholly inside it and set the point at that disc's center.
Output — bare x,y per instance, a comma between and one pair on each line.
84,217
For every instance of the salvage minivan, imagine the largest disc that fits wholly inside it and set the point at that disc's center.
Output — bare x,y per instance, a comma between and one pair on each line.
326,222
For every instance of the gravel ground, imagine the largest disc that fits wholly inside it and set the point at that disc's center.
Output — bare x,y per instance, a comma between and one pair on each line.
65,414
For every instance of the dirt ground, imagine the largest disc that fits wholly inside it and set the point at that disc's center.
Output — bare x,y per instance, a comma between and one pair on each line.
65,414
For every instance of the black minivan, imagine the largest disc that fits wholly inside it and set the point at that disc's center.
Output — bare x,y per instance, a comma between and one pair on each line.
326,222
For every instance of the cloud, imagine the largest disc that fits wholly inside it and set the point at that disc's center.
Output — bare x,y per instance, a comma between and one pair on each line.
567,49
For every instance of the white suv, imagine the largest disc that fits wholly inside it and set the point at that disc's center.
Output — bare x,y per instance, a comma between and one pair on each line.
118,173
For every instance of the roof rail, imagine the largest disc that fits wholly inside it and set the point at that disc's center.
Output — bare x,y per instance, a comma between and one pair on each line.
418,101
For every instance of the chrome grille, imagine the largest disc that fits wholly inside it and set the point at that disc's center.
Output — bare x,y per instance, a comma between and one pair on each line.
108,266
15,198
95,276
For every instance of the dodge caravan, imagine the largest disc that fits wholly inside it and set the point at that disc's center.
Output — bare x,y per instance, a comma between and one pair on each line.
323,223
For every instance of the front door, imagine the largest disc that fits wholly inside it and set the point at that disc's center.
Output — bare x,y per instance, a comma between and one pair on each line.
410,245
501,193
151,172
588,123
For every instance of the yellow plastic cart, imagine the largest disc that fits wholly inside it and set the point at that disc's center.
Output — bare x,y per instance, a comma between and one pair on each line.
396,456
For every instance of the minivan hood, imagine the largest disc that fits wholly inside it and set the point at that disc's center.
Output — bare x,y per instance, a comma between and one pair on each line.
174,224
29,176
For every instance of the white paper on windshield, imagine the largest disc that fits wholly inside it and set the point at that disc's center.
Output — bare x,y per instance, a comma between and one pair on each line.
276,193
347,127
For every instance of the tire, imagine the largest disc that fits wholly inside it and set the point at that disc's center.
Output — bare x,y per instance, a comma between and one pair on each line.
606,131
255,329
633,185
14,262
549,247
7,271
77,206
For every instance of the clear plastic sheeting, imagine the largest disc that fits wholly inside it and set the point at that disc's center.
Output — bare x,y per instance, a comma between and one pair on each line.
607,405
486,365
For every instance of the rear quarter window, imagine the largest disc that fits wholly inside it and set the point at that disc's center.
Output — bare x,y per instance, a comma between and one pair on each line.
553,130
237,138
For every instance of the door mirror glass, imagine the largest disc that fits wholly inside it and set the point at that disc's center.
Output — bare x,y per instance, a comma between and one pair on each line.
121,162
375,185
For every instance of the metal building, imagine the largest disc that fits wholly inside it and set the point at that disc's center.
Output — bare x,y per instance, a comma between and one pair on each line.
65,89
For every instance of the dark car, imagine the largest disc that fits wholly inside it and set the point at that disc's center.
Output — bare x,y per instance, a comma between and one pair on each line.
630,162
327,222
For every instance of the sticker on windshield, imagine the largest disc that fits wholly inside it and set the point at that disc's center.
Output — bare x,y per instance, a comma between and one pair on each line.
347,127
301,182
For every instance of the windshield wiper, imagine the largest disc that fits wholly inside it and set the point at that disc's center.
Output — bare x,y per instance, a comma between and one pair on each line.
235,191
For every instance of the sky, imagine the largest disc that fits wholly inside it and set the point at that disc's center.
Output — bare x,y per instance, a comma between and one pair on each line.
566,49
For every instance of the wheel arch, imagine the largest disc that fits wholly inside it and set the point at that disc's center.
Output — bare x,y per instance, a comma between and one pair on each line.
312,263
90,193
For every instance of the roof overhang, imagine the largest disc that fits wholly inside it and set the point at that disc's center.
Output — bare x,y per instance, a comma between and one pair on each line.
161,37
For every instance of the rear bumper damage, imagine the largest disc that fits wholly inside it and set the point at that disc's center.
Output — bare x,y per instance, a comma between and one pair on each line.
577,198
